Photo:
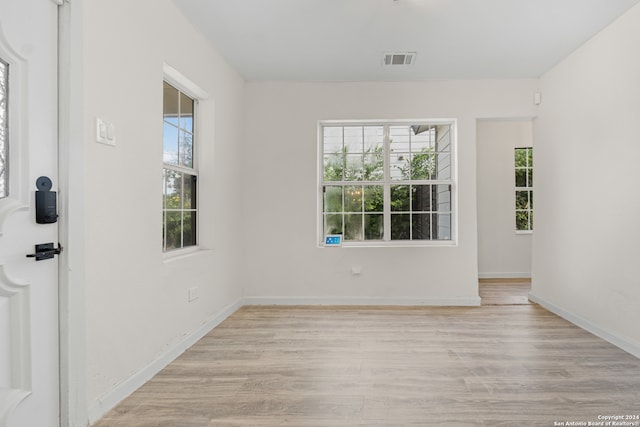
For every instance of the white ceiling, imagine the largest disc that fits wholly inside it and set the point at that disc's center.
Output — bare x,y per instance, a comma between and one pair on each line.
344,40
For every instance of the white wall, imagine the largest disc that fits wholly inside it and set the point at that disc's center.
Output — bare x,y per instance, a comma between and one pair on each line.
282,260
585,245
501,252
136,304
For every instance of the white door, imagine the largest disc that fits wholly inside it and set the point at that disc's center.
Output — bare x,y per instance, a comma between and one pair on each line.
29,367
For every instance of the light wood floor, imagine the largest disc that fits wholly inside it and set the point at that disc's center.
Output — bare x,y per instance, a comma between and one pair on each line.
498,365
505,291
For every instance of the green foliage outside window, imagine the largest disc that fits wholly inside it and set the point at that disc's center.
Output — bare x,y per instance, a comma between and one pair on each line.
524,188
358,209
180,177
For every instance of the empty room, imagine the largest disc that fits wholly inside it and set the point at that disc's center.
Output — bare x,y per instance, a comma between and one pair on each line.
319,213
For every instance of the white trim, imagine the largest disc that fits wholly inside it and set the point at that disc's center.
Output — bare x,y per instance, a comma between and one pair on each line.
71,204
387,182
528,168
365,301
382,122
18,198
394,244
183,83
624,343
109,400
509,275
188,252
179,82
182,169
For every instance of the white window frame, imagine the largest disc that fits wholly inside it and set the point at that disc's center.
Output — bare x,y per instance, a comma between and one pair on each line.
528,189
193,91
387,242
19,186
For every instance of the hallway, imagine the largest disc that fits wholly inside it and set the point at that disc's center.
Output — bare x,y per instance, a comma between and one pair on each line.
505,291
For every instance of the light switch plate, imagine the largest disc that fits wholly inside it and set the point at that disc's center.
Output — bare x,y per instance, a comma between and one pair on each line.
105,132
194,293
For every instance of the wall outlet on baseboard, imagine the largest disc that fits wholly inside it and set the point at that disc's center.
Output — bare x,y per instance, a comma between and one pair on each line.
194,293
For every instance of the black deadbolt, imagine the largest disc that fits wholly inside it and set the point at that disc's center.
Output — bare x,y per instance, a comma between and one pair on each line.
46,202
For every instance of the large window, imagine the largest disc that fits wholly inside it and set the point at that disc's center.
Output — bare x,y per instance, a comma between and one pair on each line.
387,183
180,175
524,189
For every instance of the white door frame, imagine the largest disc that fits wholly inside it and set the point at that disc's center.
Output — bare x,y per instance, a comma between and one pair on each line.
71,137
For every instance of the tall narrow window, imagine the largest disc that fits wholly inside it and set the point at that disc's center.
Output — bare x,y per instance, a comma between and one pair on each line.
384,182
4,127
524,189
179,174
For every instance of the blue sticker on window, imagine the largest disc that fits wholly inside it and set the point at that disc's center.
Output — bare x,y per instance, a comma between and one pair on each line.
333,240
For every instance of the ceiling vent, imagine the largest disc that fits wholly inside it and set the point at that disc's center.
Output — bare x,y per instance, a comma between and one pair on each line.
403,58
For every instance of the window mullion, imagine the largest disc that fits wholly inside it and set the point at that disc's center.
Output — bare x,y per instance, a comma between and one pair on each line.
179,139
387,188
164,228
180,169
344,187
410,207
362,162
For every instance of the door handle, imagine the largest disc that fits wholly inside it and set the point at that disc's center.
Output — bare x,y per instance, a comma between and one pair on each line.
45,251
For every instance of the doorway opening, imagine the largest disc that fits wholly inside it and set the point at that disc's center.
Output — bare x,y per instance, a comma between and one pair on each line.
504,245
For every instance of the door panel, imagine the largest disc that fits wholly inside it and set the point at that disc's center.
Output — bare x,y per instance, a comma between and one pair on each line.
28,149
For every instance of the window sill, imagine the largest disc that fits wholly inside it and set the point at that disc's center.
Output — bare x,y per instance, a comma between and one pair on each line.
179,254
524,232
394,244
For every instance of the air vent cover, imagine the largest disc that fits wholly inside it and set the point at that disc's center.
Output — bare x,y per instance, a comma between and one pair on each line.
400,58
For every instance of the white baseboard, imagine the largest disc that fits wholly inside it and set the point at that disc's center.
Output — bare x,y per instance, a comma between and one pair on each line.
101,406
521,275
626,344
453,301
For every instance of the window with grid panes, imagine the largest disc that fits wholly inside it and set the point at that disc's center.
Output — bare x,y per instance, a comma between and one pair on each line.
387,183
180,175
524,189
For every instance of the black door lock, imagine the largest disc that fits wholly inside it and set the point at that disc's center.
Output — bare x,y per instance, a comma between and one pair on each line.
46,202
45,251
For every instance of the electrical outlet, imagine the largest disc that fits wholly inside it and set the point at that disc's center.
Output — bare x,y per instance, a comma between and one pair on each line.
194,293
